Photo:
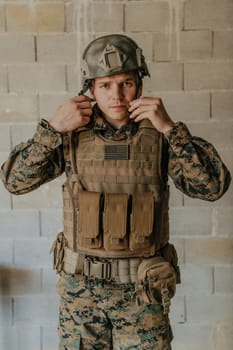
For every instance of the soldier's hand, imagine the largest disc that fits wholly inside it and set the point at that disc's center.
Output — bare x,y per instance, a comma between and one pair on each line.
74,113
153,109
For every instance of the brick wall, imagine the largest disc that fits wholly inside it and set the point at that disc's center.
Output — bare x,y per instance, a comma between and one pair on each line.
188,45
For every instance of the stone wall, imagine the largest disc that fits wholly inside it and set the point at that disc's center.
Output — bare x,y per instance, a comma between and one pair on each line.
188,45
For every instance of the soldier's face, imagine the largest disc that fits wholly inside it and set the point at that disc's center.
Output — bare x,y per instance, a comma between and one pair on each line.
113,95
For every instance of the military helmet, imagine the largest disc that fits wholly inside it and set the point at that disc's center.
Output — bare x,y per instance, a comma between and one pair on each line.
112,54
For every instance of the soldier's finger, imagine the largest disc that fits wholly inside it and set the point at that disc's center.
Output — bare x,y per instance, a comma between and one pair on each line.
83,105
140,110
140,117
86,112
81,98
143,101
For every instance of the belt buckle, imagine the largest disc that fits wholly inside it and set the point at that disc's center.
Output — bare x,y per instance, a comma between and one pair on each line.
107,270
103,271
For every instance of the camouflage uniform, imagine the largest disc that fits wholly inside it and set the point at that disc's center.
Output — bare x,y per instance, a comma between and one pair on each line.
193,164
99,314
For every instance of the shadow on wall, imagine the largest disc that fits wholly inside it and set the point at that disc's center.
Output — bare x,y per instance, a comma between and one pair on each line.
15,281
28,308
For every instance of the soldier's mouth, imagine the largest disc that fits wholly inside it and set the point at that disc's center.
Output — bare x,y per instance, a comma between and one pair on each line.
118,106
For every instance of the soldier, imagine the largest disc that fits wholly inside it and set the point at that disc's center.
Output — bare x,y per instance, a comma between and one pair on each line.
117,269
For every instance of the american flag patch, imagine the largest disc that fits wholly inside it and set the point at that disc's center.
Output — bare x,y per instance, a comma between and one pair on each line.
116,152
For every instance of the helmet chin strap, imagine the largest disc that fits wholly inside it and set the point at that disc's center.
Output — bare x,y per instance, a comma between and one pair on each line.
139,88
86,86
138,94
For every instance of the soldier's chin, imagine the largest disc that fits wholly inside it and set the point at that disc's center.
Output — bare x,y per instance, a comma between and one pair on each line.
119,111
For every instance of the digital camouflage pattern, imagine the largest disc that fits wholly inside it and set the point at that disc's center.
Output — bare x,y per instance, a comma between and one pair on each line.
193,164
99,315
99,124
103,317
35,162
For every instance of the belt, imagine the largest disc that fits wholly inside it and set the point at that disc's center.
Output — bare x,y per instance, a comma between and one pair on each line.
112,269
117,270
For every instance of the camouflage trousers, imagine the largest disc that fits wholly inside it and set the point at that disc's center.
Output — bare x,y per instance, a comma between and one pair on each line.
100,315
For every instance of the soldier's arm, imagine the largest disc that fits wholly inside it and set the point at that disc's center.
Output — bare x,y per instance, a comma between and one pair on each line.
195,166
35,162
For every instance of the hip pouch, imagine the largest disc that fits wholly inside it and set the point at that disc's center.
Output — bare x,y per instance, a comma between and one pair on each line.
156,282
58,251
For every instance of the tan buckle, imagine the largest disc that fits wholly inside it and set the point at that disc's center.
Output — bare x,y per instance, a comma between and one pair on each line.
97,269
107,270
120,270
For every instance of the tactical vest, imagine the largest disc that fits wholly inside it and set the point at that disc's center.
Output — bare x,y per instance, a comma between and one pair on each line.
115,199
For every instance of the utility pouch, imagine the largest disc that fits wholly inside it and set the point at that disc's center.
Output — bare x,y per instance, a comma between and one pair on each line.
169,253
89,220
142,220
156,282
58,250
115,221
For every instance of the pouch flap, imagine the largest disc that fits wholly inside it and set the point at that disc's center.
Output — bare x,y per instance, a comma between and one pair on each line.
147,264
88,215
142,215
115,214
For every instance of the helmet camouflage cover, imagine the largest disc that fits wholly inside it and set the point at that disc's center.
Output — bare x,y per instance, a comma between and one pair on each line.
112,54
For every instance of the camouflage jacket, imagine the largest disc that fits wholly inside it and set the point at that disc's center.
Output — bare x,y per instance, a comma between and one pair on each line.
193,164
